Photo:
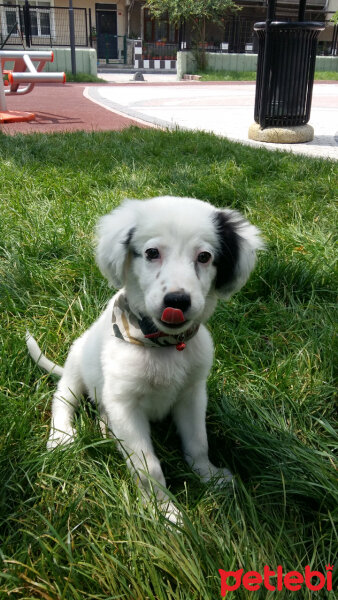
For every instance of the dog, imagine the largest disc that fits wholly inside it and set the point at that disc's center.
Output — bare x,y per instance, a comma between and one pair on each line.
149,353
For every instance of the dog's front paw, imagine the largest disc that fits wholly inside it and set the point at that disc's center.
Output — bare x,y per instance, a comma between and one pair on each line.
222,477
219,476
171,512
60,438
160,504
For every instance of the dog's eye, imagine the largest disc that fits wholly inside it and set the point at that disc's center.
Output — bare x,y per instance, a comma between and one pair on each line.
204,257
152,254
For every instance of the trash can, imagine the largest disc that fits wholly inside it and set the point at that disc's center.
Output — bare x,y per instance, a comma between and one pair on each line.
285,71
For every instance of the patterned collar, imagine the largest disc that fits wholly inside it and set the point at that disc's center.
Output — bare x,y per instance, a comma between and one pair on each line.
141,330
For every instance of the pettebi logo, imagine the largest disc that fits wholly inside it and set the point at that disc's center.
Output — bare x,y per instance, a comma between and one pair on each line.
291,580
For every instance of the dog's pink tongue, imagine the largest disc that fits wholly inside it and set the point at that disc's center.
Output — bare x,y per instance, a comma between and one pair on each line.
172,315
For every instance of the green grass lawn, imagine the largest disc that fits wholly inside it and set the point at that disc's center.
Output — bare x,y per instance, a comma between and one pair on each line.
251,75
83,78
71,523
205,75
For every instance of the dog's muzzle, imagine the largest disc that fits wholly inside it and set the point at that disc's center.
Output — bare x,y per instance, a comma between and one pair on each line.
176,303
141,330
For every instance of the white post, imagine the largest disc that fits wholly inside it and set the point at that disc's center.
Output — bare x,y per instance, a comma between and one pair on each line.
3,104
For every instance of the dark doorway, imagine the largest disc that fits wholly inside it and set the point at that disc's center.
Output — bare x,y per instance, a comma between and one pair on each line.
106,27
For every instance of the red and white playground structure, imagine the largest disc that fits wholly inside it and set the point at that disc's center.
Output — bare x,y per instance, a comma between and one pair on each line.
22,78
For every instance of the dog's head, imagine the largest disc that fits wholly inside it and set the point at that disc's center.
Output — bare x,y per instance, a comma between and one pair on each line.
176,256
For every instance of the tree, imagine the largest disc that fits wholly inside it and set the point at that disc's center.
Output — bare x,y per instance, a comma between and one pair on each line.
334,18
196,12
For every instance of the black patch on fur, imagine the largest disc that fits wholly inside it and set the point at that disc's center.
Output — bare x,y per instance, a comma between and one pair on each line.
130,234
228,251
117,332
127,241
147,326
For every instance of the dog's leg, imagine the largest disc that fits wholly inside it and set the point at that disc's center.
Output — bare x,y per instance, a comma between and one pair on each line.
104,424
189,415
131,428
65,402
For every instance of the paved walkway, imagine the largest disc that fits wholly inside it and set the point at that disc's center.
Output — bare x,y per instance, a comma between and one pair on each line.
222,108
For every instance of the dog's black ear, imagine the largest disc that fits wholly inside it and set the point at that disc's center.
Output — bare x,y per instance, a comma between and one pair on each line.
237,242
115,232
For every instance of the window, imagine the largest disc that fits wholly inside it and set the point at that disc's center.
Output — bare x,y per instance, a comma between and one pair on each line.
40,18
39,14
11,19
159,30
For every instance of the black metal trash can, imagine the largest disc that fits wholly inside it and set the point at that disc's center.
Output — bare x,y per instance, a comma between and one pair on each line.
285,72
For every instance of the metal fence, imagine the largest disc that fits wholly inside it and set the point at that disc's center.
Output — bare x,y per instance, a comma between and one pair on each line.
41,25
112,48
237,33
236,36
159,50
329,47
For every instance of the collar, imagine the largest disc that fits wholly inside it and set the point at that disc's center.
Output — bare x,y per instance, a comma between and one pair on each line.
141,330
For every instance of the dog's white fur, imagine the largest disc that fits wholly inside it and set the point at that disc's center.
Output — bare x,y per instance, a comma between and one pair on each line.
134,385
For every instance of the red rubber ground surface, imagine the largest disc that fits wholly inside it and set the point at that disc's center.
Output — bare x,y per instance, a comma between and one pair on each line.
62,108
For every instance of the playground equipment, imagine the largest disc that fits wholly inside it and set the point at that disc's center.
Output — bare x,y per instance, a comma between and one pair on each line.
26,75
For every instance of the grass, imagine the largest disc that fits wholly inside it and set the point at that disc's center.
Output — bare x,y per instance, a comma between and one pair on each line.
251,75
326,75
83,78
227,75
206,76
71,523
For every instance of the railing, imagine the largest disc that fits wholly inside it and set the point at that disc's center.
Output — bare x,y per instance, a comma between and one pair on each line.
221,47
329,48
159,50
111,48
238,35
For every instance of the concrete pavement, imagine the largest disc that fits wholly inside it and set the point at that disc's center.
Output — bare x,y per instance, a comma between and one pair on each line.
225,109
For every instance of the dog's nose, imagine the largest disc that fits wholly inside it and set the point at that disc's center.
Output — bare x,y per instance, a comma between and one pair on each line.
178,300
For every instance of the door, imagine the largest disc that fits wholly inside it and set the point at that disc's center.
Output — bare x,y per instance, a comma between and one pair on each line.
106,28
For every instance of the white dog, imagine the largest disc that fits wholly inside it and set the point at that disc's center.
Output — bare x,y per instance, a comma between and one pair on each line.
149,352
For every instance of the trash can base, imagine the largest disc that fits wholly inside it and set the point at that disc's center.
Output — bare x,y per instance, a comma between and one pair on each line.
281,135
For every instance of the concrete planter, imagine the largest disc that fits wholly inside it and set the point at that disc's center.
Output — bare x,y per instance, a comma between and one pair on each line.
86,60
238,62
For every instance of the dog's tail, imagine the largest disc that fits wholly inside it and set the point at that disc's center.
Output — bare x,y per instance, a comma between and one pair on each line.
40,359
